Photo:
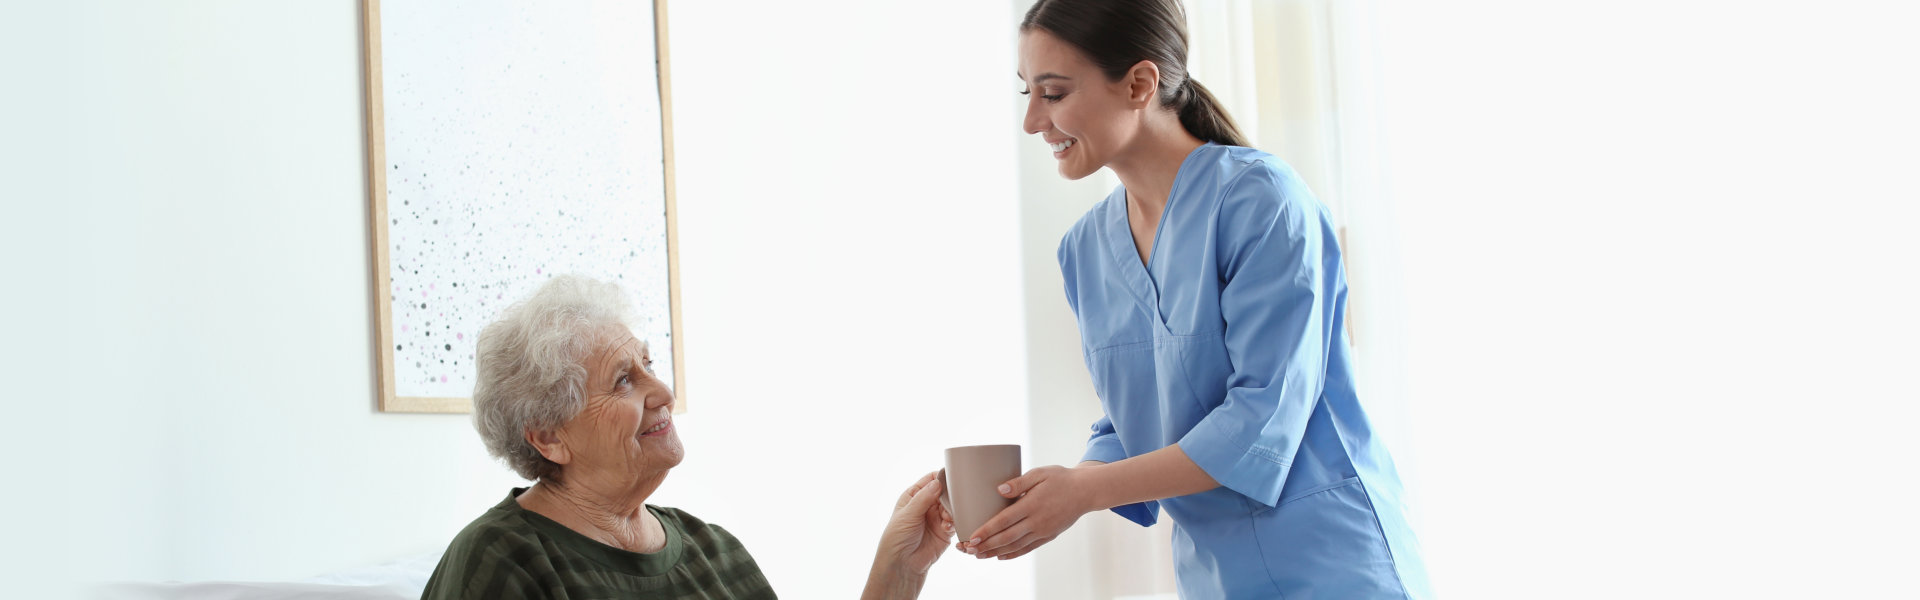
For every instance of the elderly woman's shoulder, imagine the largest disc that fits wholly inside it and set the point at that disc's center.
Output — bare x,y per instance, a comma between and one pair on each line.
499,552
498,531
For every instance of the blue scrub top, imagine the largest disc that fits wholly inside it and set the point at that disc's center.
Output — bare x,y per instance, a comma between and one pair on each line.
1229,342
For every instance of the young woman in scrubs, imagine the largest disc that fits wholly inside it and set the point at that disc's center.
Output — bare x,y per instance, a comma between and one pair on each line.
1210,297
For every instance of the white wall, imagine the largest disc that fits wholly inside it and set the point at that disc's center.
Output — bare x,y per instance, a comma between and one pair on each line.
207,316
850,241
1659,262
187,227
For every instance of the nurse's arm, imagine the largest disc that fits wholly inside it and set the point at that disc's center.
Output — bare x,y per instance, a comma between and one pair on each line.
1050,499
1156,475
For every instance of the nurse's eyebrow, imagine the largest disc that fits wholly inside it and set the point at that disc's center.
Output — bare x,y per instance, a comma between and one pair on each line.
1043,76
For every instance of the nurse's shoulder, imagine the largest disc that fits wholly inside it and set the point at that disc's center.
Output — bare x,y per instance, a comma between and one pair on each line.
1236,174
1245,187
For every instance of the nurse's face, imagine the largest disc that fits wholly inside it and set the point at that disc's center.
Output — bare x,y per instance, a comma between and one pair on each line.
1086,119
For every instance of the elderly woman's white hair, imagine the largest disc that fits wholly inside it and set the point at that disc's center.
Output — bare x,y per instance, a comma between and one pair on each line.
531,365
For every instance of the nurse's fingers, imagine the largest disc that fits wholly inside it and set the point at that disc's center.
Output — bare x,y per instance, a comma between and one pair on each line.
996,530
1027,545
1013,488
1003,543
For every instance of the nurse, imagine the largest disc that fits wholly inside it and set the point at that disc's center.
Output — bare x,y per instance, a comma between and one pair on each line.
1210,297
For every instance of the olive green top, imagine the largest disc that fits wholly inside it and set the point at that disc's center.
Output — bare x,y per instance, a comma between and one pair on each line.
512,552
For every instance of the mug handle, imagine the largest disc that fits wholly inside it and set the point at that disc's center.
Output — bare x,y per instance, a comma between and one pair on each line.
946,493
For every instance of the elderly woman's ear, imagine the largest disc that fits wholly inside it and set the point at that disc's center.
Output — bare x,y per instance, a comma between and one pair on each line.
550,446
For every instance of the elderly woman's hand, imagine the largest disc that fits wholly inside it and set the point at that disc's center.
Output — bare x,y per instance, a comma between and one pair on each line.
920,528
915,537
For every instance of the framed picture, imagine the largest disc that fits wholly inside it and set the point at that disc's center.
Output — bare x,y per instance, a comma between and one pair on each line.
509,142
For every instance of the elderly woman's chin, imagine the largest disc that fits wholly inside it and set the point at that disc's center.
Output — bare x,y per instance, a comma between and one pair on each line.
665,446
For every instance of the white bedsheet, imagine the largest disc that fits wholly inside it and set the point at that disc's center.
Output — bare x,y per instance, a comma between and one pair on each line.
394,580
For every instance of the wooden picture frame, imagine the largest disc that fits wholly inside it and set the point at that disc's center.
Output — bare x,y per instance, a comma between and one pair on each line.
462,105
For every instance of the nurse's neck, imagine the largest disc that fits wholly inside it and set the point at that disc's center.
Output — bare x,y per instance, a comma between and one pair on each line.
1148,170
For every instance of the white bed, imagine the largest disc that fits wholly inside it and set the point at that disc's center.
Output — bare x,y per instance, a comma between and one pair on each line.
395,580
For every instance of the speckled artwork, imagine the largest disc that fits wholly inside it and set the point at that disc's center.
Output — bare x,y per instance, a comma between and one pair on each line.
522,140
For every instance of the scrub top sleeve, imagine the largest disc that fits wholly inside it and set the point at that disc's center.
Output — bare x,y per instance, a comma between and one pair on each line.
1105,447
1278,310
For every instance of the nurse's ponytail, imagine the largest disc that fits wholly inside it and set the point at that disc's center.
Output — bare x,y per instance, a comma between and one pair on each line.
1118,34
1203,116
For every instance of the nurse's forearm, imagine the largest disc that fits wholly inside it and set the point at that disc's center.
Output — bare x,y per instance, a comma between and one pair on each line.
1162,473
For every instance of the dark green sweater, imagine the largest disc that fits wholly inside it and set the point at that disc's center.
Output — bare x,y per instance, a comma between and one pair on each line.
512,552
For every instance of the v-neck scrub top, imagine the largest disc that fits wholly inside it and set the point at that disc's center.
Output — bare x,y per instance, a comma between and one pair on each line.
1229,342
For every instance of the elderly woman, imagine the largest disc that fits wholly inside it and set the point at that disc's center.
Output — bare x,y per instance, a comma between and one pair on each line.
568,398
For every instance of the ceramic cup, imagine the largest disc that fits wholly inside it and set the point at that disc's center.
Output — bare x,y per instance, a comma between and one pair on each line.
971,484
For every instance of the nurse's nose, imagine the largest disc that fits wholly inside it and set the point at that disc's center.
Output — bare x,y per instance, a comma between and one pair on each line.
1036,120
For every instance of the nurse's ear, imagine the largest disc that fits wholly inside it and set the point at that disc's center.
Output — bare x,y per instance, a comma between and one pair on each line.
1142,85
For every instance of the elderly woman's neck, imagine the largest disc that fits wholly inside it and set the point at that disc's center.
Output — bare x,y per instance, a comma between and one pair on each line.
615,517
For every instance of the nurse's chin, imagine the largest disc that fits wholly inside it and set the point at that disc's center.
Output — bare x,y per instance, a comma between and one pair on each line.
1075,172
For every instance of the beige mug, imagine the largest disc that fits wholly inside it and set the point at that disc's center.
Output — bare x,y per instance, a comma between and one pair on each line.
970,485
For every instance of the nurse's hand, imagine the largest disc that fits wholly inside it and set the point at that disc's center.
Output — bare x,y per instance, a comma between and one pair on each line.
1050,499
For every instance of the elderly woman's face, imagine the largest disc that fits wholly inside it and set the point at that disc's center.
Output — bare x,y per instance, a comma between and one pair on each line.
626,429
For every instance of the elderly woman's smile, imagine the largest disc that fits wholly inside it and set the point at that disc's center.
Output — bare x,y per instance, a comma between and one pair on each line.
657,429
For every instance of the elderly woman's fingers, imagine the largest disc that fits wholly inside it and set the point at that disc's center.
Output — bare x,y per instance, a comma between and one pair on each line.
922,497
946,513
936,518
932,477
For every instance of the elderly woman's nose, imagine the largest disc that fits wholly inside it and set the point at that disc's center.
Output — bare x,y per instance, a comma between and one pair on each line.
660,397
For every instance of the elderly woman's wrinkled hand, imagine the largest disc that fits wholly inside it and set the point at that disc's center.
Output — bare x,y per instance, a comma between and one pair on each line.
920,528
916,535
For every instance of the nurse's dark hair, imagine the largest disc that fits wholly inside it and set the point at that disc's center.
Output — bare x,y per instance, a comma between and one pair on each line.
1118,34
